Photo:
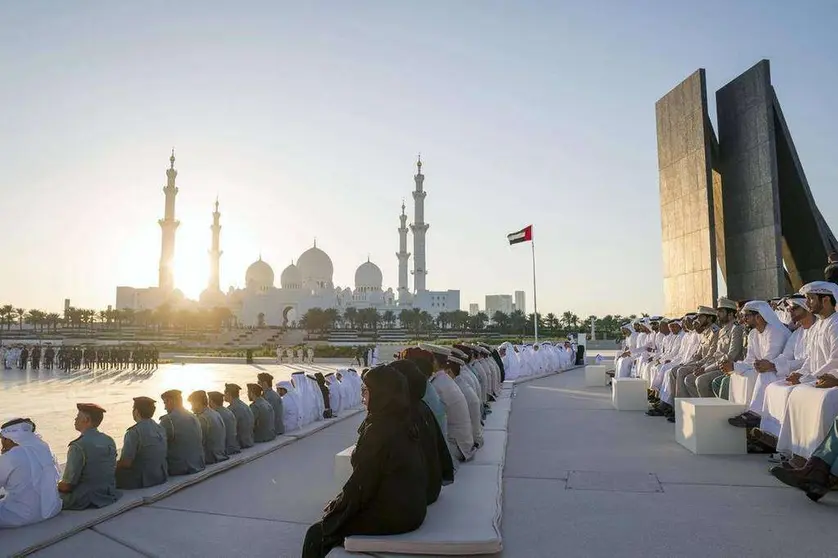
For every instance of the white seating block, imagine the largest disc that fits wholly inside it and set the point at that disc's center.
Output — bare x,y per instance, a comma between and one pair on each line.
701,426
629,394
595,376
343,466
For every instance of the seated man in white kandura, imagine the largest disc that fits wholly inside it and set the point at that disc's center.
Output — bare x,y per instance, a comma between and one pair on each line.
787,366
28,474
750,377
813,405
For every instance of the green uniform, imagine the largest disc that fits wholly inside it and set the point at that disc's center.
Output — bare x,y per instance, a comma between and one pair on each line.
263,421
185,453
244,422
231,442
214,434
145,444
91,467
275,400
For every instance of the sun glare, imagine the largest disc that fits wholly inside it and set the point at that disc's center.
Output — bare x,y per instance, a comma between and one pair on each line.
191,273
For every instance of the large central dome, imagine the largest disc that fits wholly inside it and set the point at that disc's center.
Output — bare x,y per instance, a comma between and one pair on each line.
368,276
315,267
259,275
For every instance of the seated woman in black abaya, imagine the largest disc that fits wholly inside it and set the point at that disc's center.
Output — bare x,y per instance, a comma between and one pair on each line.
438,464
386,494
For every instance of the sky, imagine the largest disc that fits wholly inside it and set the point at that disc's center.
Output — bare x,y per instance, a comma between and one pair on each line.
305,120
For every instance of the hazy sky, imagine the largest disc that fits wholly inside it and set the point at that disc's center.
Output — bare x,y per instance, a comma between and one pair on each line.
305,119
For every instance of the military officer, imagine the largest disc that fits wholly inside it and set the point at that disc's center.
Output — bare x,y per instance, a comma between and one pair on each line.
212,428
243,414
265,381
263,415
185,454
216,403
143,460
89,478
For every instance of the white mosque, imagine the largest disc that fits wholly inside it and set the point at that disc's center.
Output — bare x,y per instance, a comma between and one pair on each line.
303,285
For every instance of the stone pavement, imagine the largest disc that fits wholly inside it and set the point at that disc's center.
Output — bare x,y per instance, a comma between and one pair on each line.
580,480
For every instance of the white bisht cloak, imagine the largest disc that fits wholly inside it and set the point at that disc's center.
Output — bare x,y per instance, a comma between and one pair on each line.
292,415
811,411
746,384
777,393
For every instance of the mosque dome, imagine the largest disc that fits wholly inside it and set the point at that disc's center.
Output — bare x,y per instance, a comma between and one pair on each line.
368,276
291,277
259,275
316,267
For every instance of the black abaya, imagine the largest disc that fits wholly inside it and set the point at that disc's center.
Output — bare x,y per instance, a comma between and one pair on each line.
385,495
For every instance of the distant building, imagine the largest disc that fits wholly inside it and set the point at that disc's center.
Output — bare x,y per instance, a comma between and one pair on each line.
473,309
520,302
303,285
498,303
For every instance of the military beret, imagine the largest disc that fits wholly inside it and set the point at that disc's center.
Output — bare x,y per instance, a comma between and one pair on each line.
89,407
171,393
144,399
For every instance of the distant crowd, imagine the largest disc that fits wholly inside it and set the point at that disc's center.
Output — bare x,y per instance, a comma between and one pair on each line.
71,358
425,418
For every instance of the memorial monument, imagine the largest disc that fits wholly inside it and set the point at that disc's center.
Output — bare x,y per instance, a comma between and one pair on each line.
739,203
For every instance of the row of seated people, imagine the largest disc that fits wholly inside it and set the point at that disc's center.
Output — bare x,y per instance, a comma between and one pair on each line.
182,443
536,359
425,417
777,358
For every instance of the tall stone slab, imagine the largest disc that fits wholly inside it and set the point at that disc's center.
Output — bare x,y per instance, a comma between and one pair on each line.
686,197
776,238
748,149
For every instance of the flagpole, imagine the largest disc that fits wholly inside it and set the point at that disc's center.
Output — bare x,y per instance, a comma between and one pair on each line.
534,293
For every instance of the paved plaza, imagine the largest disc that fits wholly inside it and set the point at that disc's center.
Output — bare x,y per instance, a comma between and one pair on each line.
580,480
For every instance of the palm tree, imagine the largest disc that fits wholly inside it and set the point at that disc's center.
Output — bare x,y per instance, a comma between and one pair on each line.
425,319
389,318
406,319
6,313
21,313
52,319
330,318
351,316
443,319
551,321
517,321
35,318
501,320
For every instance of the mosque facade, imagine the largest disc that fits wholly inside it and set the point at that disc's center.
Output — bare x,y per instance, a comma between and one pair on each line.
304,284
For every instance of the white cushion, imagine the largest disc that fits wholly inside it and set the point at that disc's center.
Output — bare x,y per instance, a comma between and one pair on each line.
492,452
497,420
465,520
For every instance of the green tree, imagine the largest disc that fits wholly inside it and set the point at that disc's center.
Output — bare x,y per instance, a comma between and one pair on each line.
501,320
21,314
517,322
351,316
52,319
406,318
551,321
330,318
389,318
35,318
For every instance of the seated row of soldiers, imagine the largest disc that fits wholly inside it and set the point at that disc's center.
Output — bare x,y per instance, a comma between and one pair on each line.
182,443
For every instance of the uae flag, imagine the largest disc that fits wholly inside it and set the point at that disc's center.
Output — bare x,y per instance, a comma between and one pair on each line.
524,235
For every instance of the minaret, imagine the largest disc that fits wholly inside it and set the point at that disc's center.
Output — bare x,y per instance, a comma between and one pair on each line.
419,228
215,252
169,225
403,255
